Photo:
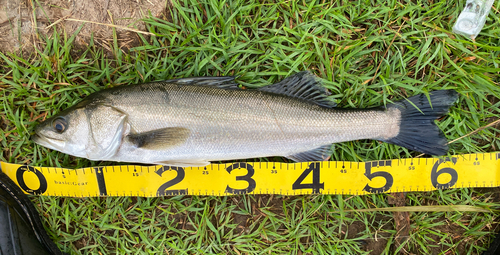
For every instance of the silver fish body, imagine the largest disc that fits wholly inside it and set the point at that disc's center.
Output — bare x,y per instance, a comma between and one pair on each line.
186,122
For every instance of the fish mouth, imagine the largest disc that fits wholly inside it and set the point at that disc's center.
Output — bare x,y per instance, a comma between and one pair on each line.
49,142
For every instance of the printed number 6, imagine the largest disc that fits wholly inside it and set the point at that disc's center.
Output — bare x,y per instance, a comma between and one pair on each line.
447,170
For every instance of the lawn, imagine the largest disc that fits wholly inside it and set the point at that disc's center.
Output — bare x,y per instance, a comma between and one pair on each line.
368,53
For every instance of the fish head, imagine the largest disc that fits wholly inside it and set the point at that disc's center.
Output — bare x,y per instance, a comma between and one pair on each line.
94,131
66,132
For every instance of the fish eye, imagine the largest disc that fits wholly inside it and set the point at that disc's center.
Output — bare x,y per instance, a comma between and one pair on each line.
59,125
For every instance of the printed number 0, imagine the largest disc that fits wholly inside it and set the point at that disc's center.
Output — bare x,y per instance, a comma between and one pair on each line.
20,179
447,170
162,190
247,177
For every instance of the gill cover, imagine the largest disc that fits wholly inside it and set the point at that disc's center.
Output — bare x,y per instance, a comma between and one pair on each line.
107,126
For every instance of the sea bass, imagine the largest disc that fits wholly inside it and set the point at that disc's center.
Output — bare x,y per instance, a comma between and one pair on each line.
192,121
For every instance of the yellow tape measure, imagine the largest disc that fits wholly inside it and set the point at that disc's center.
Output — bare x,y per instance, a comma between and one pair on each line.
328,177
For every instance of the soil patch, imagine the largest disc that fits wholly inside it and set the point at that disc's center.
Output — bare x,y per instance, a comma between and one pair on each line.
22,22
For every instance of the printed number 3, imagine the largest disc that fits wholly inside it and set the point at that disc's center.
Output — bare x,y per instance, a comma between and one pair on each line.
247,177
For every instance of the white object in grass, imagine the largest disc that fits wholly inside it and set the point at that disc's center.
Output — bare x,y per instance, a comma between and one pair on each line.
472,19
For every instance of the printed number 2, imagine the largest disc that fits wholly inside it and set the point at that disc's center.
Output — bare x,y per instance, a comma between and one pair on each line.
162,190
315,185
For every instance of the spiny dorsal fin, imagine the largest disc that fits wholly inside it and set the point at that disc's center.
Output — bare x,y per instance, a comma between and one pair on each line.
319,154
160,138
224,82
302,85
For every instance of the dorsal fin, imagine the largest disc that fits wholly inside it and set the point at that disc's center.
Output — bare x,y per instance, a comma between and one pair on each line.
304,85
224,82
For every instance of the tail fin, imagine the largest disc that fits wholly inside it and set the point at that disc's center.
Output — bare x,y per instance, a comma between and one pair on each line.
417,130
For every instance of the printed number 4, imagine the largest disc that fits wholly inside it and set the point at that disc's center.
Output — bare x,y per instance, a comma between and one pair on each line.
315,185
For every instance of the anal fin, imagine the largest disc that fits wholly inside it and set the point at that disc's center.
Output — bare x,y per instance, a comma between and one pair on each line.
160,138
319,154
183,163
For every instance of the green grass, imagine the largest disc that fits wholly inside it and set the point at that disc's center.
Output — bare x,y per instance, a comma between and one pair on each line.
368,53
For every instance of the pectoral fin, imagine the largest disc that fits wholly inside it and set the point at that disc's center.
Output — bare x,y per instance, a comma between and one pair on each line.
160,138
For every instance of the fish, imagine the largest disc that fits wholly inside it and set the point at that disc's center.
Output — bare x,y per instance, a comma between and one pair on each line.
198,120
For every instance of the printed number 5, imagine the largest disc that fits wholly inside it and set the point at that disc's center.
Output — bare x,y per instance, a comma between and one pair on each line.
389,180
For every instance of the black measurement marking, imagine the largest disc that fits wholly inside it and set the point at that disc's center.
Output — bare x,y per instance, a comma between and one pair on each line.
389,180
411,167
316,186
205,171
99,174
